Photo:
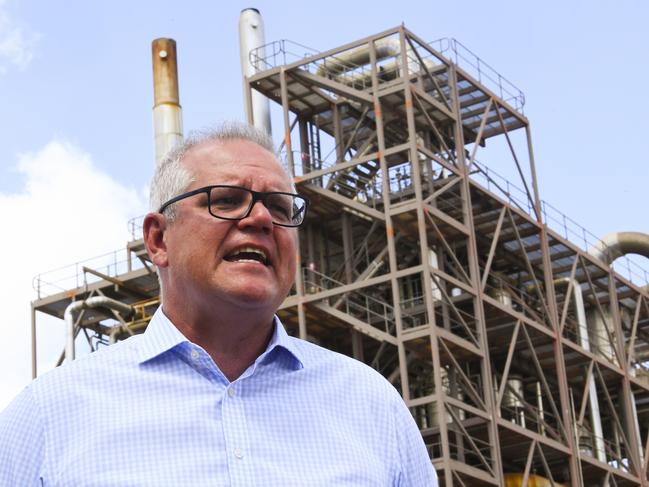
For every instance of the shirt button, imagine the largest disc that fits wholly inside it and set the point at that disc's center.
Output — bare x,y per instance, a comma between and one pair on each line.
231,392
194,354
238,453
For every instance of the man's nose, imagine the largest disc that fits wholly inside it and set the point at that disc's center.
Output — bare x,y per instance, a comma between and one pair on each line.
259,217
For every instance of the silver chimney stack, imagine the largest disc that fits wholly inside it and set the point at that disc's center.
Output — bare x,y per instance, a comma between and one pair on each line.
167,115
251,36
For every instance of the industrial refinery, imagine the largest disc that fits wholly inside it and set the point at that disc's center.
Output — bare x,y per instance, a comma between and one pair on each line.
518,340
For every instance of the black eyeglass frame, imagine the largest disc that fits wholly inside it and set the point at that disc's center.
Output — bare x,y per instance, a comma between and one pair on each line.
256,196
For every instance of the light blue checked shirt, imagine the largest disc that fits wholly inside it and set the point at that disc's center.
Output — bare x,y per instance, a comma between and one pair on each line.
155,410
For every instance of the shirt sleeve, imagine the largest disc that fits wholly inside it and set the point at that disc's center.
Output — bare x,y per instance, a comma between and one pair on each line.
416,468
22,442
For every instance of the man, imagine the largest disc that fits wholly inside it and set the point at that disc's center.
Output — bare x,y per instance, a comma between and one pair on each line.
215,392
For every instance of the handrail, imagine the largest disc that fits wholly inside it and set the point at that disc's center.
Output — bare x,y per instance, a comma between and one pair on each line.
276,53
555,220
388,310
284,51
466,59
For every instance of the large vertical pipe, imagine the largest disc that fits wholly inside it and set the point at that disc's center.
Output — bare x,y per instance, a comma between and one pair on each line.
594,414
512,399
251,36
167,115
607,250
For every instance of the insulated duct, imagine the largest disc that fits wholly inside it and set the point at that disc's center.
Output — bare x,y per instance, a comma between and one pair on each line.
352,59
594,414
251,36
167,114
618,244
351,67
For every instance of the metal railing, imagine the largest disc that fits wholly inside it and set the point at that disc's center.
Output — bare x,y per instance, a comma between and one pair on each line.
554,219
284,52
464,58
74,276
357,303
278,53
135,226
577,234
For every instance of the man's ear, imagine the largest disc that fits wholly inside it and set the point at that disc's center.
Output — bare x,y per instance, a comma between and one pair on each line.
154,227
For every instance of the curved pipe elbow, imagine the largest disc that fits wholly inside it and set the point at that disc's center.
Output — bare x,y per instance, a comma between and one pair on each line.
618,244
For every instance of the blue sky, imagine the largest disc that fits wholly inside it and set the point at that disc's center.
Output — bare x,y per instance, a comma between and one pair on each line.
77,135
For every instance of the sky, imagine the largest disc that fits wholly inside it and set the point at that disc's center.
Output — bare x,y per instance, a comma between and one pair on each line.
76,150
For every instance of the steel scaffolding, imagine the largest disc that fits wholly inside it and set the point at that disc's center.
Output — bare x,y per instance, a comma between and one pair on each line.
519,355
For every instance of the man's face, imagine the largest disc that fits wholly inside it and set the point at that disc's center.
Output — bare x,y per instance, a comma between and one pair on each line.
203,265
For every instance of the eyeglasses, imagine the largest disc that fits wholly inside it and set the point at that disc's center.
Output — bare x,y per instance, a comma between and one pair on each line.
235,203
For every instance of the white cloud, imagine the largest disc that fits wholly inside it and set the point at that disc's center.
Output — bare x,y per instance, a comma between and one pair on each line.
66,211
16,42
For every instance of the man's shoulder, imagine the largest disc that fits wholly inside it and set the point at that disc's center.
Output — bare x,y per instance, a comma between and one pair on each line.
337,367
89,367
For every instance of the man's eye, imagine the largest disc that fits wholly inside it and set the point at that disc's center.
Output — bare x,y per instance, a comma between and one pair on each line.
281,207
225,201
281,211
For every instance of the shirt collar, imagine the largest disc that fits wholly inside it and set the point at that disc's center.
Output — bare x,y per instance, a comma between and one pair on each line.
281,340
159,337
162,335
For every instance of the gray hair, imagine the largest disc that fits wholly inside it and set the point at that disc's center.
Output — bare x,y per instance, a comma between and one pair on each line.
171,178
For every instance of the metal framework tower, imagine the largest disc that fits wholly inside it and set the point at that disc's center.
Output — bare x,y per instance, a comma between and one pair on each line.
520,355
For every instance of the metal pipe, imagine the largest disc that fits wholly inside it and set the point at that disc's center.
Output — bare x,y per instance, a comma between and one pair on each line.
95,302
539,406
251,36
167,114
618,244
512,398
609,248
350,60
582,332
344,67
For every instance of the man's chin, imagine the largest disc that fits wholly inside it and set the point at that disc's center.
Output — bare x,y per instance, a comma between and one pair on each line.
254,298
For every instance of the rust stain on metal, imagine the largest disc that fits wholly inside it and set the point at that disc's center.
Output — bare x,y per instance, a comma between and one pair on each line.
165,72
377,109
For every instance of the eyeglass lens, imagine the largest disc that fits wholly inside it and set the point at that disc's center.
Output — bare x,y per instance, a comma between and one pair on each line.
234,203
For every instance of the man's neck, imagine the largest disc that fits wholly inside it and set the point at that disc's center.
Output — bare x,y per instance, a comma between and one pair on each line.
234,339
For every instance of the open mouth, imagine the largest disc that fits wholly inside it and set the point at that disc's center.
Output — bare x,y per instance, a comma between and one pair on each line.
248,254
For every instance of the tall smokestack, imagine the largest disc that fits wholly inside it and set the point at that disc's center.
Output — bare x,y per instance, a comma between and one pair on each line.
167,115
251,36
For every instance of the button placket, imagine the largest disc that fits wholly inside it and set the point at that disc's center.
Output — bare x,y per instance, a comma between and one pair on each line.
235,431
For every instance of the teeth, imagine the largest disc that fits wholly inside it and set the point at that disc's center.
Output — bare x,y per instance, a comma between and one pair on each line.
251,250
